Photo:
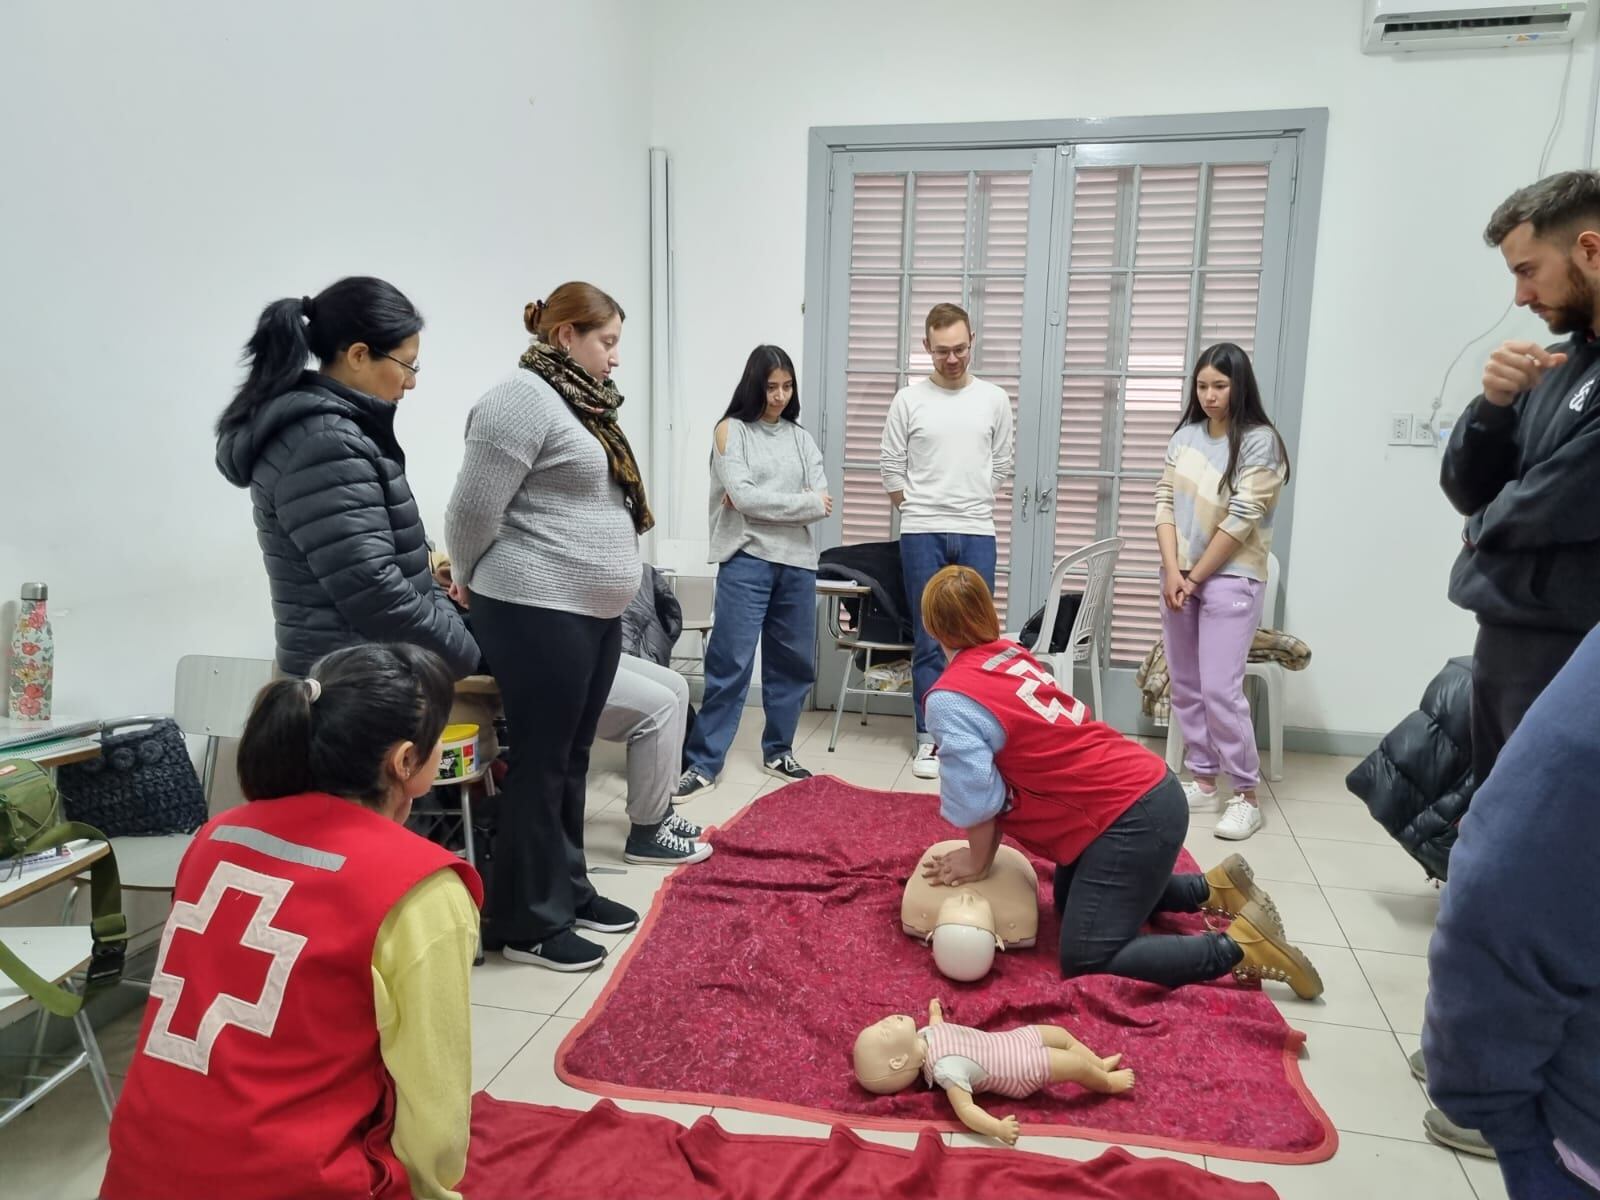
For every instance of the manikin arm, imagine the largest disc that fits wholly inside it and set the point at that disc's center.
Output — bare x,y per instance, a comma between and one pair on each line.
935,1013
979,1121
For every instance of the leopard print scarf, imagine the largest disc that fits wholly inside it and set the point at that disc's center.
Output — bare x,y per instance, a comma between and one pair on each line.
595,404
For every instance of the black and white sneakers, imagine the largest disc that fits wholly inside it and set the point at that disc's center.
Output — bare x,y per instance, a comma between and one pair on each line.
662,847
564,952
691,784
606,916
786,768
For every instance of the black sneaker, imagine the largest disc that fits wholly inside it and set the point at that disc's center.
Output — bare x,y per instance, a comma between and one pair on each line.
564,952
606,916
785,767
676,825
664,847
691,784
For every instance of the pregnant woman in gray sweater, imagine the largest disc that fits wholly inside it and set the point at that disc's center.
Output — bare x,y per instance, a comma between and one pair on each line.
768,491
543,532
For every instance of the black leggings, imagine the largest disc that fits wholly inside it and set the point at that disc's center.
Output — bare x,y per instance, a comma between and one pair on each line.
554,670
1120,879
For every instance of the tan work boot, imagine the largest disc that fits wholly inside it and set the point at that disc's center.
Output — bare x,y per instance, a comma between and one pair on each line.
1233,885
1268,955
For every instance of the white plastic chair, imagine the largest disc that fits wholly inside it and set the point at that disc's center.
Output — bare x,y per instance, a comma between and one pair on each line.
1088,642
1270,674
697,596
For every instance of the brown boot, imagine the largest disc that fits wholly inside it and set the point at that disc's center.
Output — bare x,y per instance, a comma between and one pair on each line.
1233,885
1267,955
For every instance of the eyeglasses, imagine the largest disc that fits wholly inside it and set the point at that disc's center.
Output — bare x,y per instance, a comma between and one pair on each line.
414,368
953,351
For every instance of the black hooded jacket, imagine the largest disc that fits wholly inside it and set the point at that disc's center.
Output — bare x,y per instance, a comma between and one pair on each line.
1527,478
346,557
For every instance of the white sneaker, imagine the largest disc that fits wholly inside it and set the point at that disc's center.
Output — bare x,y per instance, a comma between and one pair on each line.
1199,799
1239,821
925,765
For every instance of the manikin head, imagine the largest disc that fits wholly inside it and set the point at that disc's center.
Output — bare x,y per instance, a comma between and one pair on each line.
1549,233
964,937
889,1055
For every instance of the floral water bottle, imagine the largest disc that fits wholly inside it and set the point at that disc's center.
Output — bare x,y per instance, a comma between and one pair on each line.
33,657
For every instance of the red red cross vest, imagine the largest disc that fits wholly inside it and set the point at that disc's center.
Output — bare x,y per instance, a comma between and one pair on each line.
1068,776
258,1073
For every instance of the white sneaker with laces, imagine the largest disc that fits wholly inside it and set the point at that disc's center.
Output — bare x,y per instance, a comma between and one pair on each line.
925,765
1239,820
1199,799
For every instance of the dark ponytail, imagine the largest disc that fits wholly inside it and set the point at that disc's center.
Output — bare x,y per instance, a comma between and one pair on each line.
357,309
332,731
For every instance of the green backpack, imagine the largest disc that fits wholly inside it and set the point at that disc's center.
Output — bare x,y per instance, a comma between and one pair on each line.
30,821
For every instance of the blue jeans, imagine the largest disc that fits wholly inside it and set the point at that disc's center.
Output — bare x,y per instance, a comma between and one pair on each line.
922,556
1539,1174
772,605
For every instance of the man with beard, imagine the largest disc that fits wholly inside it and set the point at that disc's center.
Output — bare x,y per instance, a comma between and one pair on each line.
946,452
1523,466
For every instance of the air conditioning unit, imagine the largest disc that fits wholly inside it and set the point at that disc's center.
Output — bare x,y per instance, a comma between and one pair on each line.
1395,26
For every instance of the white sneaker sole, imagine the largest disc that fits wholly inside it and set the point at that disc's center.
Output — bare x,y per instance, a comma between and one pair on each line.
702,852
533,960
705,791
1232,834
1201,803
925,768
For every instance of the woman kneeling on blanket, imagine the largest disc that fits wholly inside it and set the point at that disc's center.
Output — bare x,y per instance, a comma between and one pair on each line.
1020,756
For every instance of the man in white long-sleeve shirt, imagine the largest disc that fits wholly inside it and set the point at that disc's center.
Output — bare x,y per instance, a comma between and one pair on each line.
946,453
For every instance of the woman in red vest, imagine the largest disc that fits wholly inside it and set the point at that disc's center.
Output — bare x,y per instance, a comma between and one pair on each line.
309,1031
1019,756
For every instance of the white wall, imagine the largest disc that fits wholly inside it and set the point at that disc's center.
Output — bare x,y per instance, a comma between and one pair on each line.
170,167
1420,150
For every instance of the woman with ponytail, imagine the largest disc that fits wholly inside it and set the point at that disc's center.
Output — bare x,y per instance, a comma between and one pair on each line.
311,988
346,556
543,529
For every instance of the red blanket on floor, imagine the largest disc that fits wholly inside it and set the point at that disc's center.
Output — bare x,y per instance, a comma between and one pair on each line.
538,1153
757,968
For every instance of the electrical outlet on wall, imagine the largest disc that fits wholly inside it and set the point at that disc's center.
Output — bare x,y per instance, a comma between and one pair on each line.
1422,432
1400,429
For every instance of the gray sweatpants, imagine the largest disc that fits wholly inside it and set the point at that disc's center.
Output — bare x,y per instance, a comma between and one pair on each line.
648,708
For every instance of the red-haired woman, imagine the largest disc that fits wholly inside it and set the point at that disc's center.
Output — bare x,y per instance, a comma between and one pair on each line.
543,531
1019,756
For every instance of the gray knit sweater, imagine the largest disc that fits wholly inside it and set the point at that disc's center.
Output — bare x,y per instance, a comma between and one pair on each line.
535,517
774,475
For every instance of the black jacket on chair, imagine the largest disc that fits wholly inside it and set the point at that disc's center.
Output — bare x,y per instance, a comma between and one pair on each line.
875,565
346,557
1418,782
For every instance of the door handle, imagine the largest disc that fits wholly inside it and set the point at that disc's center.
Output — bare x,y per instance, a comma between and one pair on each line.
1025,502
1046,496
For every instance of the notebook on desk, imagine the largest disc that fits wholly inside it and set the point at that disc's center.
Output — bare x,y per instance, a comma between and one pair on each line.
14,735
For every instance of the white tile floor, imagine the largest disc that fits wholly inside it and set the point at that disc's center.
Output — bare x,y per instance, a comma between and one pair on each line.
1353,899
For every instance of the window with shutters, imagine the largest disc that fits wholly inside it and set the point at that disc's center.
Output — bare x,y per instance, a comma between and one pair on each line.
1163,260
1095,273
919,238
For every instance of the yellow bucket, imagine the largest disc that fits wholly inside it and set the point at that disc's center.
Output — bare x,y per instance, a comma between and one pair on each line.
459,758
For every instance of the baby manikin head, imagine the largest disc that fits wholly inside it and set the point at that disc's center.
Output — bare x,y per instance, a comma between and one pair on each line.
889,1055
964,938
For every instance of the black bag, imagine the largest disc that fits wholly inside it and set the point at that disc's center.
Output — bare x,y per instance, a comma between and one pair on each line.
143,783
1066,614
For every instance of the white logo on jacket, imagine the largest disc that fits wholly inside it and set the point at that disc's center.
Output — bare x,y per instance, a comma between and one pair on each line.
1580,397
258,1016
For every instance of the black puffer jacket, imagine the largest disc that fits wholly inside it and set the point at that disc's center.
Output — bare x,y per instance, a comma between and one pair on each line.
653,621
346,558
1418,782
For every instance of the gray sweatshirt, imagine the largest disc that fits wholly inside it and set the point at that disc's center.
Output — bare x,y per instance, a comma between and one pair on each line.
535,517
775,477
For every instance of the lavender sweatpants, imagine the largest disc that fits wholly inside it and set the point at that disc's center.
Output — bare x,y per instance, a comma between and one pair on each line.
1208,644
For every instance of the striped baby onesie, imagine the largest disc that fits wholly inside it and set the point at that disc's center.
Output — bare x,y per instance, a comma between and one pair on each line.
1014,1063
